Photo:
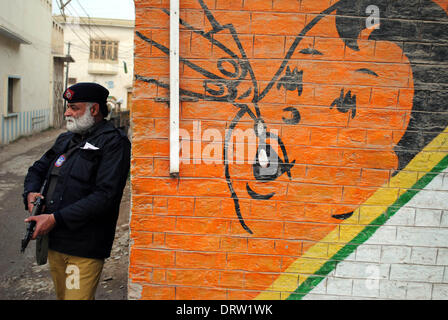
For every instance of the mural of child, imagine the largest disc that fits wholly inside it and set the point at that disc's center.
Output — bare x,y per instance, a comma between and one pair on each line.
339,112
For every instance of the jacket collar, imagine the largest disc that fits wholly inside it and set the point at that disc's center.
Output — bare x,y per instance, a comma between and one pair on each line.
99,128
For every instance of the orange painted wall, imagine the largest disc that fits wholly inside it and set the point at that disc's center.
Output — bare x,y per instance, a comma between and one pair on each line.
333,110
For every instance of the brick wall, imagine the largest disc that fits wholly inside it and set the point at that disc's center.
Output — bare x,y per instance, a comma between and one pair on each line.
313,151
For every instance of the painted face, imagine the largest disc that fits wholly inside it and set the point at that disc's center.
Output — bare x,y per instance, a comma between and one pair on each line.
317,118
319,123
332,145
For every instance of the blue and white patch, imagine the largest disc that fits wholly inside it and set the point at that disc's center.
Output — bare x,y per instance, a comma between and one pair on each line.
60,161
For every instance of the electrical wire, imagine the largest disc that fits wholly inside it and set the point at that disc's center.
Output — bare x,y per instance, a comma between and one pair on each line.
84,47
73,30
89,24
127,50
85,11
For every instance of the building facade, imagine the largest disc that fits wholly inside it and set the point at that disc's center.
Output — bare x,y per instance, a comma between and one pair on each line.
60,61
313,151
103,53
25,64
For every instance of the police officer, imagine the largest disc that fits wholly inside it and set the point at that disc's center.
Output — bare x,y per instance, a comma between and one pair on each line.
86,171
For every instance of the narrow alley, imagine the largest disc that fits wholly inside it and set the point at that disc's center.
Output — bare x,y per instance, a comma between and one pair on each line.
20,277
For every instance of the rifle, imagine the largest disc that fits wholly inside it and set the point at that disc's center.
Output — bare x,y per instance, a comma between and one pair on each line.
37,210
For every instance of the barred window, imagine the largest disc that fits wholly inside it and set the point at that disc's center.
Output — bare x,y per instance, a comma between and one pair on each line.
103,50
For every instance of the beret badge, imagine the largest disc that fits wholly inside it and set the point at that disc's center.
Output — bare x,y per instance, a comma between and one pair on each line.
69,94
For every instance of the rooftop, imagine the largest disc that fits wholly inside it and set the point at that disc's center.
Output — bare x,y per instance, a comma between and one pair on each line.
95,21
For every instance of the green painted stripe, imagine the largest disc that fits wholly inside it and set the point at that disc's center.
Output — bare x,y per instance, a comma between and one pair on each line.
311,282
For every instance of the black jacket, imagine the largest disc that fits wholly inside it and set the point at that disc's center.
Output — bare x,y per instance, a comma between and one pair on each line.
86,199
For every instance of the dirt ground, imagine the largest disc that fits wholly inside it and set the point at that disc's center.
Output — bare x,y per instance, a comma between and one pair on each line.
20,277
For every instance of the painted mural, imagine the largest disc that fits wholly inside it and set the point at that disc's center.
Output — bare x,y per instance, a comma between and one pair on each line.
346,105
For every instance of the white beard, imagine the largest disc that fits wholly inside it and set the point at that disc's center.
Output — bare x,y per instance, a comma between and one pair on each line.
81,124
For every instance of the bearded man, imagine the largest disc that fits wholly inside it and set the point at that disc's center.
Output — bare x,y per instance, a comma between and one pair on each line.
86,171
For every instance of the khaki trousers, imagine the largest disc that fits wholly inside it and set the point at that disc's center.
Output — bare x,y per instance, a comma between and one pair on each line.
74,278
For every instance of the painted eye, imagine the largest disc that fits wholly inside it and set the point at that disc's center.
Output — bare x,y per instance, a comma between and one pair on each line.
295,116
228,67
263,158
232,68
345,103
220,90
267,166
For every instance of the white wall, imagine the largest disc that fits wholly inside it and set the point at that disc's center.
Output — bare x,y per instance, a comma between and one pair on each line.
79,36
407,258
31,20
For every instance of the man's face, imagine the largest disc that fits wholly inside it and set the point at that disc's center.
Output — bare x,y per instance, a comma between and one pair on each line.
79,117
352,109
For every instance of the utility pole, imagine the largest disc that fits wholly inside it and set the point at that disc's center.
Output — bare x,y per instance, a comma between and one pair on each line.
62,6
66,75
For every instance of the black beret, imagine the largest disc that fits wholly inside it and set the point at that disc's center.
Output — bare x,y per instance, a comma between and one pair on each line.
88,92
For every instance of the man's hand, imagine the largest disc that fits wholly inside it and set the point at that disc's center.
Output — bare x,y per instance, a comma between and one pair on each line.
32,196
44,224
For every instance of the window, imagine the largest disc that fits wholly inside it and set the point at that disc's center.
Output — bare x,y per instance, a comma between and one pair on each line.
13,94
103,50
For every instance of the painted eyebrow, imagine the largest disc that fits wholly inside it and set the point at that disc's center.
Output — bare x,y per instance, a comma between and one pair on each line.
367,71
311,51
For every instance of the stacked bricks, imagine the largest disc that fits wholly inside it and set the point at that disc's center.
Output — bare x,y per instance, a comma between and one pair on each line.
346,109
